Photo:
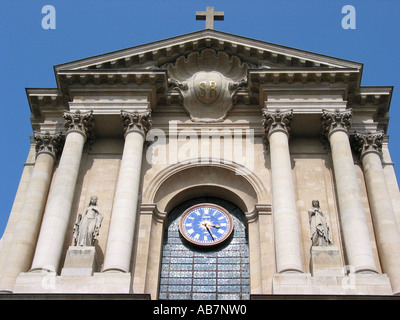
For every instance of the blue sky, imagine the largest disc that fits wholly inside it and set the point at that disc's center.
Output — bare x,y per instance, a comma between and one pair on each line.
86,28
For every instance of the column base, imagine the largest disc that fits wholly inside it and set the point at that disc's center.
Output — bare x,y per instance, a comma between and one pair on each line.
114,270
5,291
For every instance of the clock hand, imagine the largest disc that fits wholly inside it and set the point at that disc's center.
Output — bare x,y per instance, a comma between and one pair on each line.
209,230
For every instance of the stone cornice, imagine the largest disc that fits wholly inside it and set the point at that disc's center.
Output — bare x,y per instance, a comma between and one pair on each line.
262,81
304,75
41,97
157,79
137,77
164,50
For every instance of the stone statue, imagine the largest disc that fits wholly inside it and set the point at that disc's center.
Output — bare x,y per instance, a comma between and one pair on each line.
320,230
88,224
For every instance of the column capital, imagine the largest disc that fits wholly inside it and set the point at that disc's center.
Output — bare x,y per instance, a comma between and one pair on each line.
369,142
48,143
81,122
136,121
336,121
277,120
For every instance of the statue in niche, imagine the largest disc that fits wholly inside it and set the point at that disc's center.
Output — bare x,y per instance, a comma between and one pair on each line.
320,229
87,225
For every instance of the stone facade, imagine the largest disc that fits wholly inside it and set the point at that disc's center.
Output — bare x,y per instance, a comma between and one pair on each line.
266,128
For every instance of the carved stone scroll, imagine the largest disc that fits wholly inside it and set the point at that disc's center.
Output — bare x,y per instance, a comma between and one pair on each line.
140,121
369,142
80,122
337,120
48,143
276,121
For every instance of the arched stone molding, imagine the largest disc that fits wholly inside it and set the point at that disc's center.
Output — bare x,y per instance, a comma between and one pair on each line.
232,177
181,182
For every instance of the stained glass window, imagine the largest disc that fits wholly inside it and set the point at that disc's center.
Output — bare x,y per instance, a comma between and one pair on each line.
192,272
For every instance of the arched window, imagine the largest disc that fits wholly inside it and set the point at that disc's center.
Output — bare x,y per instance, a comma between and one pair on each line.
218,272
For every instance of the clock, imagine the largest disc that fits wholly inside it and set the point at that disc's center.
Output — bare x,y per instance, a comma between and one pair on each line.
206,224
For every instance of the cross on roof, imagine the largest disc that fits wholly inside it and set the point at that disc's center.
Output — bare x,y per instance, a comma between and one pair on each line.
210,15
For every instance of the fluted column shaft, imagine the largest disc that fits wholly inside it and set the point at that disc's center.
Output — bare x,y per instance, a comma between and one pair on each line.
59,203
123,219
285,216
352,216
26,231
385,225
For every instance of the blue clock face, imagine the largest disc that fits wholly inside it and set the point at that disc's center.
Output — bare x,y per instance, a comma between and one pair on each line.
206,224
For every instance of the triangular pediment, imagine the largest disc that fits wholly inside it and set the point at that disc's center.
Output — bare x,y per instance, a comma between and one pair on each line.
259,54
169,69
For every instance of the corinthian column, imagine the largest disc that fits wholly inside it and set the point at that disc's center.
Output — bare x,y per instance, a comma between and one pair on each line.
285,217
26,231
123,218
385,225
335,126
58,208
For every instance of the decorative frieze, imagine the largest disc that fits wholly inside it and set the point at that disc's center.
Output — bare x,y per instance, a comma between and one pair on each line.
369,142
276,121
48,143
81,122
139,121
337,120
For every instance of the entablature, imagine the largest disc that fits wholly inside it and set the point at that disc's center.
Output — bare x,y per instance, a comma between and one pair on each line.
157,76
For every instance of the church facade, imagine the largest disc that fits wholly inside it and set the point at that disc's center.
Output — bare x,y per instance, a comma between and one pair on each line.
206,166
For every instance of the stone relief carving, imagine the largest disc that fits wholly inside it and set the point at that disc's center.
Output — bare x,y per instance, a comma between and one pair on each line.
320,229
337,120
88,224
140,121
80,121
49,143
369,142
207,82
276,120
